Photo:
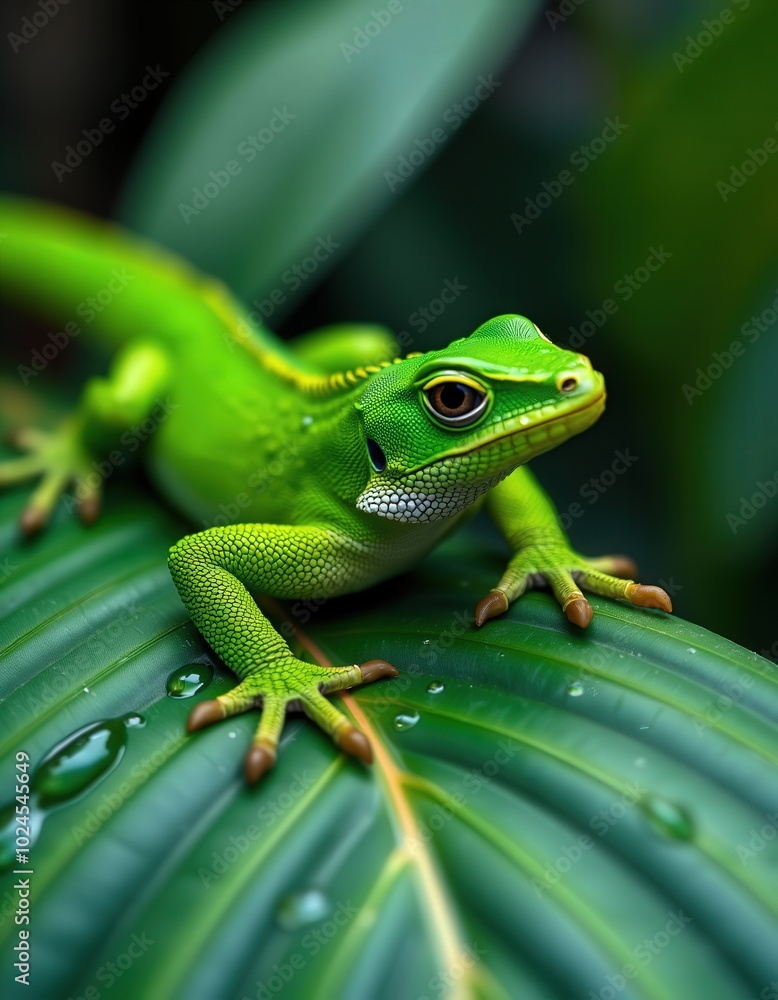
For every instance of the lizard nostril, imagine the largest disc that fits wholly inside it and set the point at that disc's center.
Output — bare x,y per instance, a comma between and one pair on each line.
568,383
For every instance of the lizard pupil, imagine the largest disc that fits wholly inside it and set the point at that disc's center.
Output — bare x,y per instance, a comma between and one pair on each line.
455,402
453,397
377,457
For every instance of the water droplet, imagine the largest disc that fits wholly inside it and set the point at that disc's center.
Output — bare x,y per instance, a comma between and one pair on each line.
134,721
86,690
232,734
575,689
301,908
405,721
425,642
79,761
691,649
434,687
189,679
307,420
668,818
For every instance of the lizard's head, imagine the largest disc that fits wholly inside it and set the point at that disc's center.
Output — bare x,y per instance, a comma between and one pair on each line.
443,427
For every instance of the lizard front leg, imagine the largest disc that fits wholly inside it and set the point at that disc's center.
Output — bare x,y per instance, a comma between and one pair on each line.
541,553
212,571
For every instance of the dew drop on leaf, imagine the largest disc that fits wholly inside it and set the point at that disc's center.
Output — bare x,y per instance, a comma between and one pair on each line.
134,721
301,908
575,689
405,721
434,687
78,761
186,681
668,818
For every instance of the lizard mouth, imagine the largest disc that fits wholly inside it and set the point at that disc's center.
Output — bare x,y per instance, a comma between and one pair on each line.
570,416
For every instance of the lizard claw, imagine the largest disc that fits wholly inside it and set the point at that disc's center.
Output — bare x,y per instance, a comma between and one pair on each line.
645,596
354,741
578,611
495,603
259,759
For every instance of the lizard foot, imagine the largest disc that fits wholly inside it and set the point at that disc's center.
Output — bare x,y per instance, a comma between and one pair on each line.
292,683
57,459
565,572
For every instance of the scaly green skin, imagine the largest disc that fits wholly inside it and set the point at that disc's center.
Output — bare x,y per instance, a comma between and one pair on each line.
338,479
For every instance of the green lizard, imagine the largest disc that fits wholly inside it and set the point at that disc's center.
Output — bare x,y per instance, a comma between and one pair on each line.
379,459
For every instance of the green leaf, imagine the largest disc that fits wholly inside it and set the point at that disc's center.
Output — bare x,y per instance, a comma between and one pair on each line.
344,114
555,809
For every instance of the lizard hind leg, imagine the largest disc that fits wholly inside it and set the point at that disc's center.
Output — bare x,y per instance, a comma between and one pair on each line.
345,346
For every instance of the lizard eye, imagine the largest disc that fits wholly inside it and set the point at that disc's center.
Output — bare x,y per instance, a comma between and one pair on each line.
455,401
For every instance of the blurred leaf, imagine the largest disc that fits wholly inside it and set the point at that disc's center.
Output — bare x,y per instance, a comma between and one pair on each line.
560,797
695,176
350,106
738,456
690,119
